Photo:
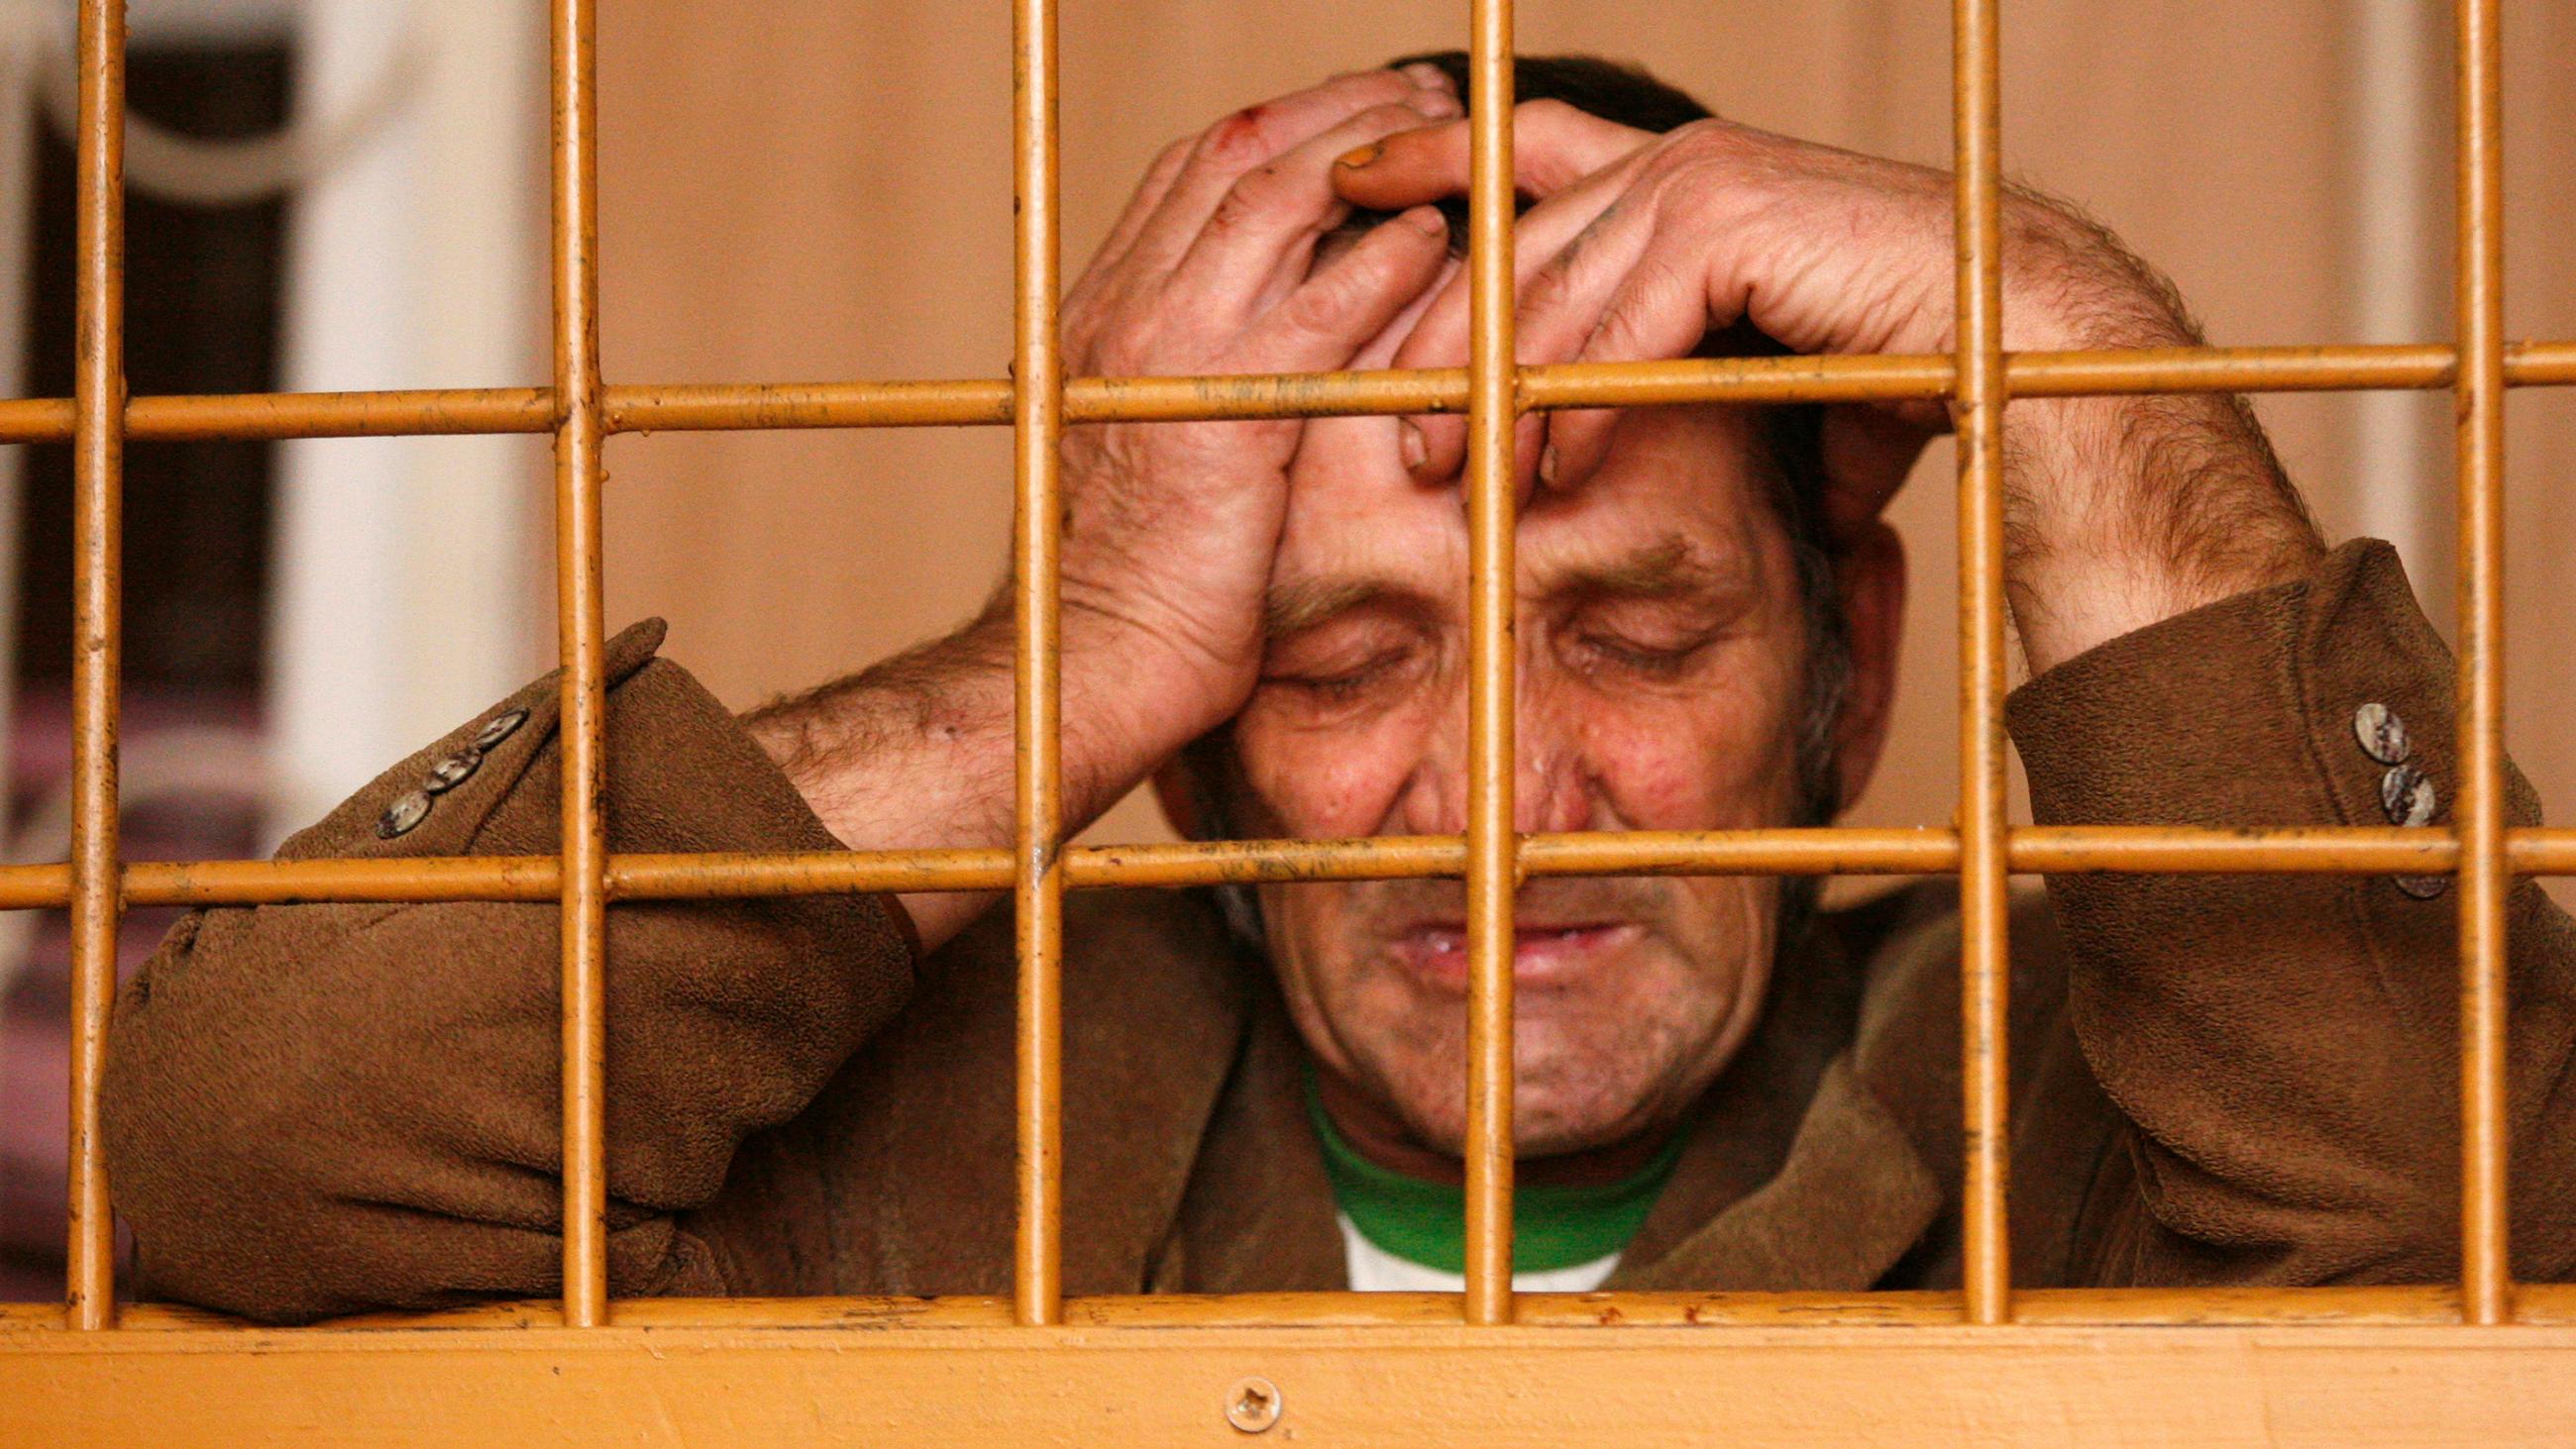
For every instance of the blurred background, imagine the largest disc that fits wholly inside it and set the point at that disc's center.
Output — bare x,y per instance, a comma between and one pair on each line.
343,194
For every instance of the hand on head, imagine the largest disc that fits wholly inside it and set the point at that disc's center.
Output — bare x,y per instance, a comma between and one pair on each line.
1639,246
1211,269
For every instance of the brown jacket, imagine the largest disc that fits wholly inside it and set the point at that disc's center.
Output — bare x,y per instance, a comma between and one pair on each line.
319,1109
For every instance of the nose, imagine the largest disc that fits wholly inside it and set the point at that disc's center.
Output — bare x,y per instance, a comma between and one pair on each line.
1552,787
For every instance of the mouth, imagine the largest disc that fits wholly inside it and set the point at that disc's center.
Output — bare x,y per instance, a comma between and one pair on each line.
1544,953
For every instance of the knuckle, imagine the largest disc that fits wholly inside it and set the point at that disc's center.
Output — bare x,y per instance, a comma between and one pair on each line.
1264,188
1546,111
1240,139
1550,288
1394,116
1366,83
1319,307
1708,131
1240,206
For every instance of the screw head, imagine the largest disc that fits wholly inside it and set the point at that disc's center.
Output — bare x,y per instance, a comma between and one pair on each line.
1252,1405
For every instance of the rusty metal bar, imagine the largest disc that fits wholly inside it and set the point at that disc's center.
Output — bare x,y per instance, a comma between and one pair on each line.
98,495
1037,423
1493,865
2428,1305
418,412
974,402
1978,412
2486,1269
583,635
2051,849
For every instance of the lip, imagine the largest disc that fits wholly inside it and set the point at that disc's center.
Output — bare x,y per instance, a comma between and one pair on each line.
1544,953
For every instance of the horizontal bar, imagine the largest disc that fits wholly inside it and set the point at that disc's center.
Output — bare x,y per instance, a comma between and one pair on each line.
969,402
2432,1304
995,1386
2058,849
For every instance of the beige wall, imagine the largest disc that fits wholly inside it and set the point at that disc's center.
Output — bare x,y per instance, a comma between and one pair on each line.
826,194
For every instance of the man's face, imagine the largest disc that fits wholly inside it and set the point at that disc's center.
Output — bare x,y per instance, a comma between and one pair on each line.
1661,658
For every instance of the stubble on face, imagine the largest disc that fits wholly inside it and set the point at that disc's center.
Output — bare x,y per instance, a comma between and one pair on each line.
1662,645
1630,995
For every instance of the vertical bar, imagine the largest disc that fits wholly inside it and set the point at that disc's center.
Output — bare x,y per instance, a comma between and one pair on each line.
1037,420
1493,851
2486,1272
581,632
1978,412
98,482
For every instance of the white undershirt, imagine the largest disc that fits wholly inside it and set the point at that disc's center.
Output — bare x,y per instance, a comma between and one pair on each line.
1375,1270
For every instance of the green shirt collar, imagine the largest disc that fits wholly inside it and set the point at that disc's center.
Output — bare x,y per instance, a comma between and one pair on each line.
1553,1226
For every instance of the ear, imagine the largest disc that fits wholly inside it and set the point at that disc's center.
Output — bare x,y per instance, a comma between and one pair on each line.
1176,789
1872,579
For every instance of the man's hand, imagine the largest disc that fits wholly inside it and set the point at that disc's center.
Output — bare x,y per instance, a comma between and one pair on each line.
2122,511
1169,527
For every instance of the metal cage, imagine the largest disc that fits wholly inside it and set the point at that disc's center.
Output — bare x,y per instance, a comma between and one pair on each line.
2486,1356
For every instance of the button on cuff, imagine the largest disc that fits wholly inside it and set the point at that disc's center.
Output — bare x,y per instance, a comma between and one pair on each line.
453,771
404,815
501,728
2381,733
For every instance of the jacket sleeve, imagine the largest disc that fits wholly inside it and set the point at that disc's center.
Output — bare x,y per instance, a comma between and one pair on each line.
321,1109
2285,1048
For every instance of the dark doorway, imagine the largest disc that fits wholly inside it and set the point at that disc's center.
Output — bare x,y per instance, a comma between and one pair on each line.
203,287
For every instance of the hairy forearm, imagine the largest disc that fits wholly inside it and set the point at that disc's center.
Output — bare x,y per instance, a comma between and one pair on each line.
919,752
2124,511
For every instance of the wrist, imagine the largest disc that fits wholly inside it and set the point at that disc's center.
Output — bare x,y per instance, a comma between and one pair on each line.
2122,512
1136,694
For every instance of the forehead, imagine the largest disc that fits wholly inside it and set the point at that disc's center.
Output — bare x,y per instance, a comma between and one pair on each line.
1680,485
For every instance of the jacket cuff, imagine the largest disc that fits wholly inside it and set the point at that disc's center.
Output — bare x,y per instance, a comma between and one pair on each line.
682,775
2325,701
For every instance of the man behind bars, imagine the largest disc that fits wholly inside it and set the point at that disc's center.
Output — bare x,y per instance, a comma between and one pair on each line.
323,1108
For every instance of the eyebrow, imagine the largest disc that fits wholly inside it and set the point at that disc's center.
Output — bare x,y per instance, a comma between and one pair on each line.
1668,568
1294,608
1665,569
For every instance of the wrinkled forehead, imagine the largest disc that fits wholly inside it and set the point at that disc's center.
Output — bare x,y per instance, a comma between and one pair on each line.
1682,486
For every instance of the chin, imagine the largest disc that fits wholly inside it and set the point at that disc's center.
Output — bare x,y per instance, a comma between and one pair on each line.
1556,1112
1562,1101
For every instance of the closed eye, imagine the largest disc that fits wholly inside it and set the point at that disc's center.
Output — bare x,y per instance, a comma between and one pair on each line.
1337,686
1652,661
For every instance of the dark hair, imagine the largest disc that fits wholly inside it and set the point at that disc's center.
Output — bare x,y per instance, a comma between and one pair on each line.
1792,453
1619,93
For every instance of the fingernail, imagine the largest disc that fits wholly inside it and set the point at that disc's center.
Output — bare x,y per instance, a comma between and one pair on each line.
1430,77
1439,105
1360,156
1426,220
1410,447
1547,466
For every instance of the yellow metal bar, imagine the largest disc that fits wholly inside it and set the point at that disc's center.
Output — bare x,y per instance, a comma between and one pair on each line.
98,489
2053,849
583,634
971,402
1493,867
2486,1269
1978,410
1567,1386
2424,1305
1037,419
